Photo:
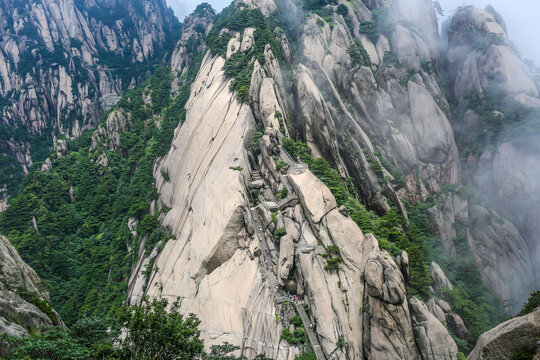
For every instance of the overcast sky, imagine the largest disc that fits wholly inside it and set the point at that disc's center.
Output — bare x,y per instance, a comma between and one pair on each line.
522,18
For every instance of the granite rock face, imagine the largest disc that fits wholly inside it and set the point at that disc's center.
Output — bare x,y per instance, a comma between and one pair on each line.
63,63
18,314
503,229
249,223
433,339
233,255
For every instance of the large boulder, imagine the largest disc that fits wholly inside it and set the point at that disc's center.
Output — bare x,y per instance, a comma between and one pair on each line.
517,335
478,52
316,198
440,281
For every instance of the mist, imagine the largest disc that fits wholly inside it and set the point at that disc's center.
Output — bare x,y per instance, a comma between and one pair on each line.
521,18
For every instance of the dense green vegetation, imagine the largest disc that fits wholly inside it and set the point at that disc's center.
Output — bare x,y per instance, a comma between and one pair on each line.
358,54
37,60
154,331
306,356
371,30
316,5
298,335
80,245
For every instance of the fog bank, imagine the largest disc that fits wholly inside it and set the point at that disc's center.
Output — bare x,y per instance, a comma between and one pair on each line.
521,18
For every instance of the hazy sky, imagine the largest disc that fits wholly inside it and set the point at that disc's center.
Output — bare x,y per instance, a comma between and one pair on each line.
522,18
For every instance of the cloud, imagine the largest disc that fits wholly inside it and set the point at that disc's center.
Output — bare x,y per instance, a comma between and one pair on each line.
521,18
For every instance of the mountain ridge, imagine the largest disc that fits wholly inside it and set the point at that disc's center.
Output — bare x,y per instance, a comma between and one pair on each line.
345,219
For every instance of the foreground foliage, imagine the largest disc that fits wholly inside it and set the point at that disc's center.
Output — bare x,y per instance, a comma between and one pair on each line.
153,331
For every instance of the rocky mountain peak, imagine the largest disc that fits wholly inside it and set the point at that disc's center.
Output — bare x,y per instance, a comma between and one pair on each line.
195,28
63,63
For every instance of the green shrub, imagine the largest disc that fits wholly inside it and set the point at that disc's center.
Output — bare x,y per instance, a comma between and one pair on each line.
255,141
332,264
391,59
531,305
297,321
359,55
312,5
332,249
279,233
280,165
298,336
306,356
468,191
35,300
342,10
371,29
283,193
449,188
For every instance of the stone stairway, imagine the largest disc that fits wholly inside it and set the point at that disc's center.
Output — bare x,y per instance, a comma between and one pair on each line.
311,334
288,201
285,155
273,283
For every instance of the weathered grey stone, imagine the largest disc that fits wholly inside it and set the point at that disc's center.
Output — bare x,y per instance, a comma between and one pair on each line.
316,198
440,281
510,337
433,340
18,317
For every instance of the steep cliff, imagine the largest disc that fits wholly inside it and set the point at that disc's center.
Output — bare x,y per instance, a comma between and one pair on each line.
269,223
24,301
62,63
498,110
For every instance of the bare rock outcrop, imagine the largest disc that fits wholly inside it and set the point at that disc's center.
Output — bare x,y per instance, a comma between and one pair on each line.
212,265
194,29
19,314
479,53
433,340
502,257
501,231
520,334
439,278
